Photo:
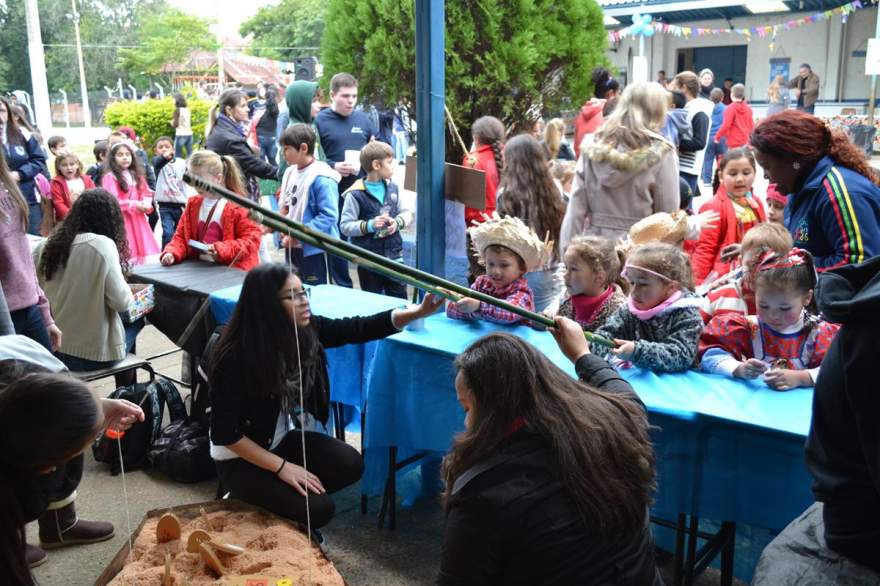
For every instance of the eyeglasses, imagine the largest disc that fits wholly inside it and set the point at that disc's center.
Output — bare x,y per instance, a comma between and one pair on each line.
297,295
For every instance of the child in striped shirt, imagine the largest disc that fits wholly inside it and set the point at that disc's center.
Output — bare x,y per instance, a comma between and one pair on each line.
734,293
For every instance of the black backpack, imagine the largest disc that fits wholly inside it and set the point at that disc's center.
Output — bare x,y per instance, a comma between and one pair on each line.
200,398
183,452
137,440
183,449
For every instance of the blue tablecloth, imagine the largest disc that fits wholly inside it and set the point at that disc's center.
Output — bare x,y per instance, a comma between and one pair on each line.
349,366
726,449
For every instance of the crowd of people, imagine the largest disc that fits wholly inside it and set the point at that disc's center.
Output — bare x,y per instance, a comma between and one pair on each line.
598,234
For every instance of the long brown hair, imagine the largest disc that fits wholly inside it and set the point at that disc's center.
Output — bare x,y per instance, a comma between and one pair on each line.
14,192
136,169
95,211
529,192
489,130
599,441
13,132
803,137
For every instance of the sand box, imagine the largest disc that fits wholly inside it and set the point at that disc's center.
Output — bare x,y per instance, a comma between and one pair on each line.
272,548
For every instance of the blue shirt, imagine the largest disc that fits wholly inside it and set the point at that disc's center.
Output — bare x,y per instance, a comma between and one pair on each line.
717,120
343,133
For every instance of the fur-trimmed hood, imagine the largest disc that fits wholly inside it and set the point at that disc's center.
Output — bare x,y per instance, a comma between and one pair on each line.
621,165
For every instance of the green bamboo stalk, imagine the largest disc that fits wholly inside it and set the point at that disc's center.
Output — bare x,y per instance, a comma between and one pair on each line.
322,241
283,229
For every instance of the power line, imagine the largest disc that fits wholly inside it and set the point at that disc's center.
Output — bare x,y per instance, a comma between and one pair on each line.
87,46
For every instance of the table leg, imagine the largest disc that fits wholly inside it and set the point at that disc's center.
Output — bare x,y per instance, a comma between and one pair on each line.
678,559
363,451
727,553
389,498
691,550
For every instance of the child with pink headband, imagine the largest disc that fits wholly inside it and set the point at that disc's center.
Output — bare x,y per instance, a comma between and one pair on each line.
660,323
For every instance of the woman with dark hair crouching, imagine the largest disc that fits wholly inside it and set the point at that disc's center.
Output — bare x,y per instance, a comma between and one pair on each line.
551,481
269,363
48,420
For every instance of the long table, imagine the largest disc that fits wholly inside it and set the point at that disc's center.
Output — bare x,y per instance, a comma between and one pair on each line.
726,449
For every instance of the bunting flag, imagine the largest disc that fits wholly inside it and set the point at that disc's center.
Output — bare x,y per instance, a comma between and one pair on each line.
761,32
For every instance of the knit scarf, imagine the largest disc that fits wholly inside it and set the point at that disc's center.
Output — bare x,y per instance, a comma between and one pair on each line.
646,314
586,308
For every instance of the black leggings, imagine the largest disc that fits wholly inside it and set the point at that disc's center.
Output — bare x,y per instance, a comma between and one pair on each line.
335,463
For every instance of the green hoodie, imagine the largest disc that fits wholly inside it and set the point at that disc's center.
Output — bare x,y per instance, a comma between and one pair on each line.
299,96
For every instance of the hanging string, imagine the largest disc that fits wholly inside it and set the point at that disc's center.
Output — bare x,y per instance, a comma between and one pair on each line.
303,412
124,493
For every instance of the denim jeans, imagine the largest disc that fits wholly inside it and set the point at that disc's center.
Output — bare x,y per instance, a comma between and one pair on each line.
35,218
268,147
713,150
170,214
29,322
182,143
312,269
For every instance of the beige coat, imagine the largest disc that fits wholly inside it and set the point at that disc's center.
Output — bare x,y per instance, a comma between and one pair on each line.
614,189
86,297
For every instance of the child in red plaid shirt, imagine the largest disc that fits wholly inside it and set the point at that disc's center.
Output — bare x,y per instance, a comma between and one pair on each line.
508,249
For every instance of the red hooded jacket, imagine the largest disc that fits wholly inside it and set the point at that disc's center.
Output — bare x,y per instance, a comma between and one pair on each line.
587,122
61,195
707,253
486,163
737,125
240,242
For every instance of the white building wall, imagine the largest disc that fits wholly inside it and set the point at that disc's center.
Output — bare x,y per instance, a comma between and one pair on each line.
826,45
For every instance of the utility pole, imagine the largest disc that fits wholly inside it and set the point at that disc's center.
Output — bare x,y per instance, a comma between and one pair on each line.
42,112
83,88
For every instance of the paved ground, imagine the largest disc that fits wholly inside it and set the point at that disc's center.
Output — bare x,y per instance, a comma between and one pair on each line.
364,554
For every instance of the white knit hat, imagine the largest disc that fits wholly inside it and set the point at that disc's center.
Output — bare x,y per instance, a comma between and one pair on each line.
511,233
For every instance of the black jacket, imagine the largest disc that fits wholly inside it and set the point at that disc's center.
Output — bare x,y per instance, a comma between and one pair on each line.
225,139
510,521
843,448
236,413
269,120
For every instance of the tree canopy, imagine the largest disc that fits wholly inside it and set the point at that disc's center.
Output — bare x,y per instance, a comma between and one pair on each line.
506,58
107,28
166,36
291,29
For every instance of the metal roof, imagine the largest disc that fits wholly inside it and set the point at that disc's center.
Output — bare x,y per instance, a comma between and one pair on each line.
692,10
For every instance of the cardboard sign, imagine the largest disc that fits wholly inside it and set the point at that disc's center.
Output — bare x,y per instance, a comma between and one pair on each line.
461,184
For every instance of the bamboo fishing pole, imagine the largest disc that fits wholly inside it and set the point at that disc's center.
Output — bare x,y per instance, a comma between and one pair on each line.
284,229
357,254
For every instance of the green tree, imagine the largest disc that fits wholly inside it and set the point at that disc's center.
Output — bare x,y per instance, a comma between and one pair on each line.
104,26
506,58
168,36
292,23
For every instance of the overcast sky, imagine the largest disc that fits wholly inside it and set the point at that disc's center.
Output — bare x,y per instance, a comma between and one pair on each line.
229,14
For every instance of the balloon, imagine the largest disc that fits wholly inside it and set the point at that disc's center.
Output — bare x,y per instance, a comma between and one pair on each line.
646,19
649,31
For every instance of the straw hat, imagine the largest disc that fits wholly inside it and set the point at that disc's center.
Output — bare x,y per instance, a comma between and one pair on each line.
661,227
511,233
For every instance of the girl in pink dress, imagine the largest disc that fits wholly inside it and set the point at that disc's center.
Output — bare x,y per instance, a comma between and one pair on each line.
125,180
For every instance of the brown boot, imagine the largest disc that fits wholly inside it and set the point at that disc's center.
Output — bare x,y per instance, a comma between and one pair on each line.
61,527
34,555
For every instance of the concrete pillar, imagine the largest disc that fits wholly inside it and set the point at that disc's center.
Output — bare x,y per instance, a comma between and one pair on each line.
832,71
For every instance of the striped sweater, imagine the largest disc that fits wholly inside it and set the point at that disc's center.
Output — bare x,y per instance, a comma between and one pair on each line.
835,216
